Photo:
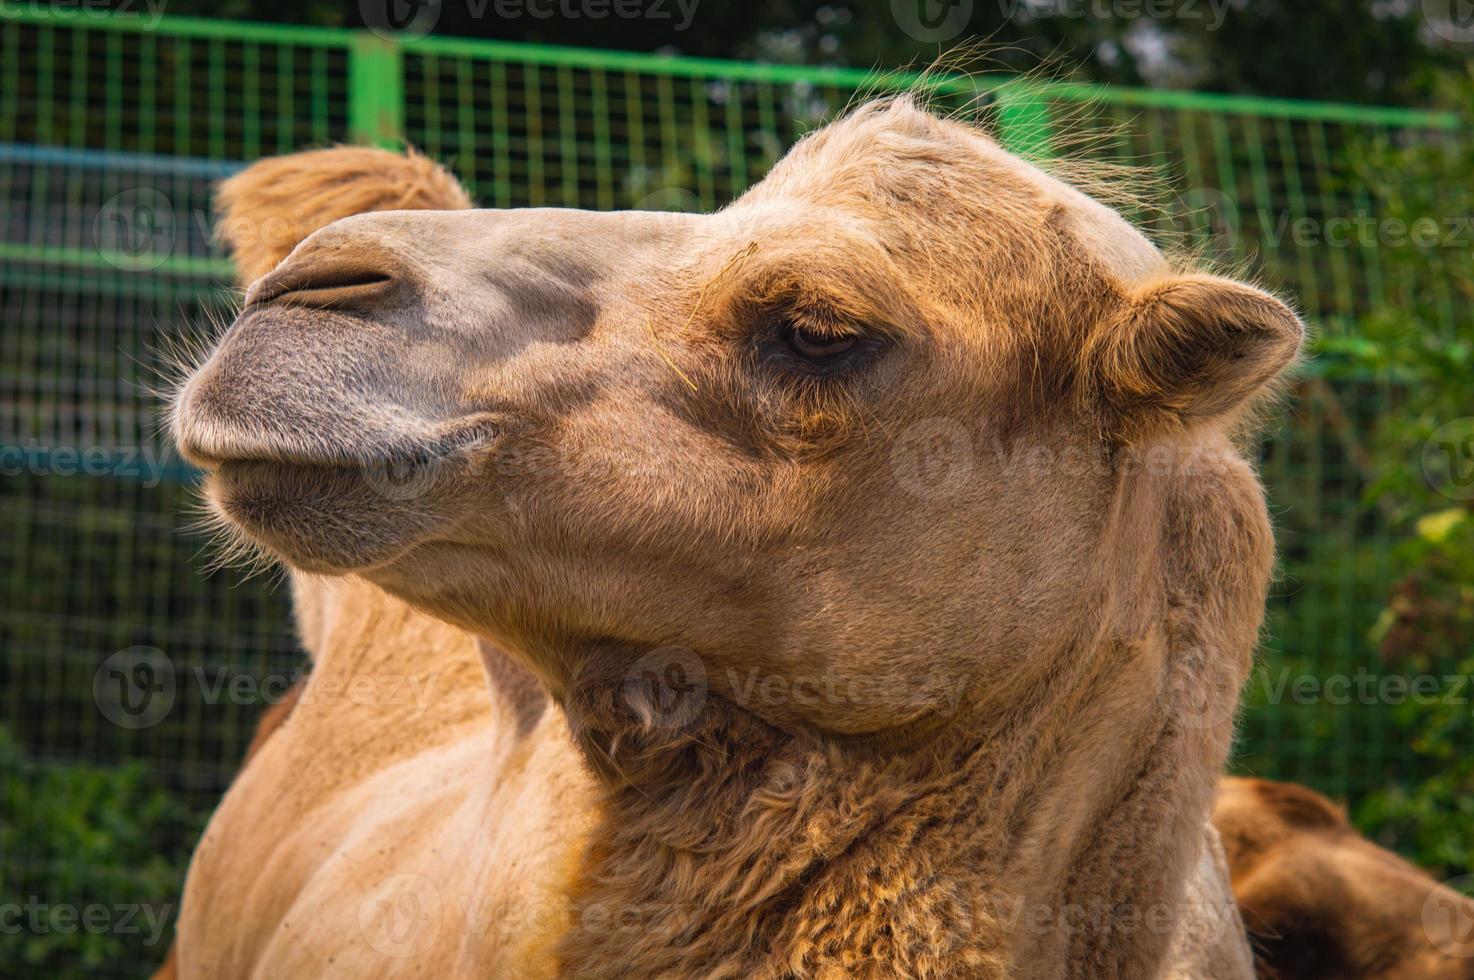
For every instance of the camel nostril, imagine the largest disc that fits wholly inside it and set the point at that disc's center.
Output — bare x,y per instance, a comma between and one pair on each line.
331,286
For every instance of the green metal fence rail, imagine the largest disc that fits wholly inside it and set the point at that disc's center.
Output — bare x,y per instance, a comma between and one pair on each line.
113,131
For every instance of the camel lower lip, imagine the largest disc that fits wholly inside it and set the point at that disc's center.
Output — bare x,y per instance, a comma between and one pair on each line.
401,474
336,518
323,511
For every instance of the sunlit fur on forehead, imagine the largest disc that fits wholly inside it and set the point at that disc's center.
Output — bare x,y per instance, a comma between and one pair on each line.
921,221
875,148
938,182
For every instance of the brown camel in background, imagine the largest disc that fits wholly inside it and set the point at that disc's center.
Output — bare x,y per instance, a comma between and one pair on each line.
1321,902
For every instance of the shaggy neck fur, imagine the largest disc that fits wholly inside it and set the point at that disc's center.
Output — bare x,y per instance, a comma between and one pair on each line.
1048,831
732,849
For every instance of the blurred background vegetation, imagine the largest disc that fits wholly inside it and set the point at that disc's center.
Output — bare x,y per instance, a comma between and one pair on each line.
1420,451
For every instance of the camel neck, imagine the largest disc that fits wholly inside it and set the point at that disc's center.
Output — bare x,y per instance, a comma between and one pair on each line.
730,848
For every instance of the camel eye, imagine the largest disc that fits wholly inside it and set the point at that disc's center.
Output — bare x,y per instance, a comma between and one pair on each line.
812,345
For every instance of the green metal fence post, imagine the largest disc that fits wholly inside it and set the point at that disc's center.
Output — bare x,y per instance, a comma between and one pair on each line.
1023,120
375,91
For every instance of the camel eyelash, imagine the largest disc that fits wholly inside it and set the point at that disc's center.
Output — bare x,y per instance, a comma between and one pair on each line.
814,343
796,323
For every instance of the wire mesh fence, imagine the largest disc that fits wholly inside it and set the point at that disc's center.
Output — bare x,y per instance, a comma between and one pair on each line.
112,132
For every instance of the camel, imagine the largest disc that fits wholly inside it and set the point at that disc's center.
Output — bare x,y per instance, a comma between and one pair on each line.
1324,903
757,695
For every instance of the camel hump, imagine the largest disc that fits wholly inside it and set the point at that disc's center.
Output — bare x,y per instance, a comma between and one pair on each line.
272,205
1298,806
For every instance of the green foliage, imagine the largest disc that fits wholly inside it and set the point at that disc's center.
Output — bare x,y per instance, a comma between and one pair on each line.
94,862
1422,451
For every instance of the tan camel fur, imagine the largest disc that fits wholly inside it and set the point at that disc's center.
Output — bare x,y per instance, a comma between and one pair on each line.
1324,903
900,723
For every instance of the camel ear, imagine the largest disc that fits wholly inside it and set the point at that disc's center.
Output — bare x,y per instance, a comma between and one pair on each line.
1188,350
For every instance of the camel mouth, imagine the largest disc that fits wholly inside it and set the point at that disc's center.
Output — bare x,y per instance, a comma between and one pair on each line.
330,515
339,495
331,440
215,448
378,474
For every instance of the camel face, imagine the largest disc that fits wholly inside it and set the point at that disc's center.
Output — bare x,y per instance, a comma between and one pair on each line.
851,446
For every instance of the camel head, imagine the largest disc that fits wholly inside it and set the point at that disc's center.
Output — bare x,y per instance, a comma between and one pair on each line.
878,443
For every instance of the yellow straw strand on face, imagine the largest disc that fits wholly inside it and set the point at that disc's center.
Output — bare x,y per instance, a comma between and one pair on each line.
655,342
700,298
